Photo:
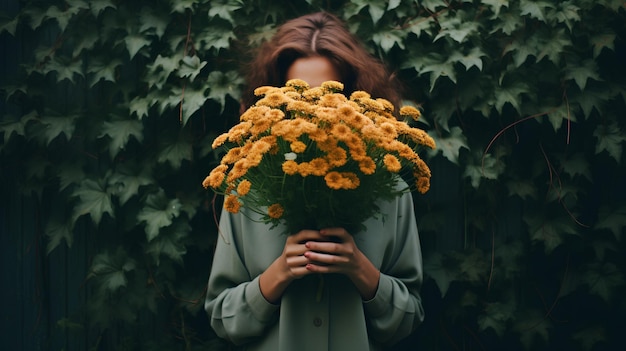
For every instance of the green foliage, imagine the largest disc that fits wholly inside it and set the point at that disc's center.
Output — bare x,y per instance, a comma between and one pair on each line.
114,109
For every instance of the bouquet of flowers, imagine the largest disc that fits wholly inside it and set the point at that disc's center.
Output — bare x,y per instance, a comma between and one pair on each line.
312,158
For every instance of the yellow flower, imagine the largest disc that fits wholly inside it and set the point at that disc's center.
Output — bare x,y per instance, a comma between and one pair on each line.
392,163
367,165
219,141
275,115
313,93
233,155
254,113
275,211
301,107
423,184
244,187
239,132
387,105
342,180
290,167
332,86
358,95
331,100
239,170
410,111
232,204
341,131
297,84
298,147
260,126
216,177
389,130
319,166
305,169
273,99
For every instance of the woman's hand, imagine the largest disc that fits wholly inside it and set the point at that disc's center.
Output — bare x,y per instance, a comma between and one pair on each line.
338,253
290,265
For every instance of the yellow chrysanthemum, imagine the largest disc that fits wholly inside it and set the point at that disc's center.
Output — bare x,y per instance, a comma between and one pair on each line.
275,115
275,211
232,204
290,167
305,169
313,93
319,166
219,141
423,184
273,99
331,100
239,132
233,155
216,177
341,131
367,165
332,86
388,129
386,104
244,187
297,84
359,95
410,111
298,147
342,180
392,163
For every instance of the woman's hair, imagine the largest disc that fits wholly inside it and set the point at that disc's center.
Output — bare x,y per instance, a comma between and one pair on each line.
319,34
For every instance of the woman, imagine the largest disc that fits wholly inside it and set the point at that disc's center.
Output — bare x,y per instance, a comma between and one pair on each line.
326,289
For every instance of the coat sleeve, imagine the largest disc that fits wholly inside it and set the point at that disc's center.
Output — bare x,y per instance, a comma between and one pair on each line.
236,308
396,309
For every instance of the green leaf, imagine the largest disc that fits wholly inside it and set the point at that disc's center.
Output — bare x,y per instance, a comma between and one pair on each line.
473,265
64,68
170,243
57,125
9,25
589,336
533,327
567,13
110,269
139,106
560,114
224,9
555,47
180,6
120,131
496,5
483,166
190,67
508,23
387,39
98,6
160,70
496,316
94,200
456,28
550,231
158,212
376,10
601,42
127,181
153,21
435,64
610,138
535,9
472,59
576,165
222,85
510,94
57,232
603,280
192,101
450,145
176,152
613,220
442,270
16,127
103,71
524,188
69,174
433,5
135,42
216,38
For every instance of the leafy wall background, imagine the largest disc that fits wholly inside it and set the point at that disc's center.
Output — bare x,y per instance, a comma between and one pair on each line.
110,107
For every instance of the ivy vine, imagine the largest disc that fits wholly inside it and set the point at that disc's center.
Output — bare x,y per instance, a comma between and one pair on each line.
114,106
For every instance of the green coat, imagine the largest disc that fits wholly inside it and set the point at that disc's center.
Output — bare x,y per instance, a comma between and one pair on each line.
316,313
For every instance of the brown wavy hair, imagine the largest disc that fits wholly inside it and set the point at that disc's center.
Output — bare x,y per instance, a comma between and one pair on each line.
319,34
